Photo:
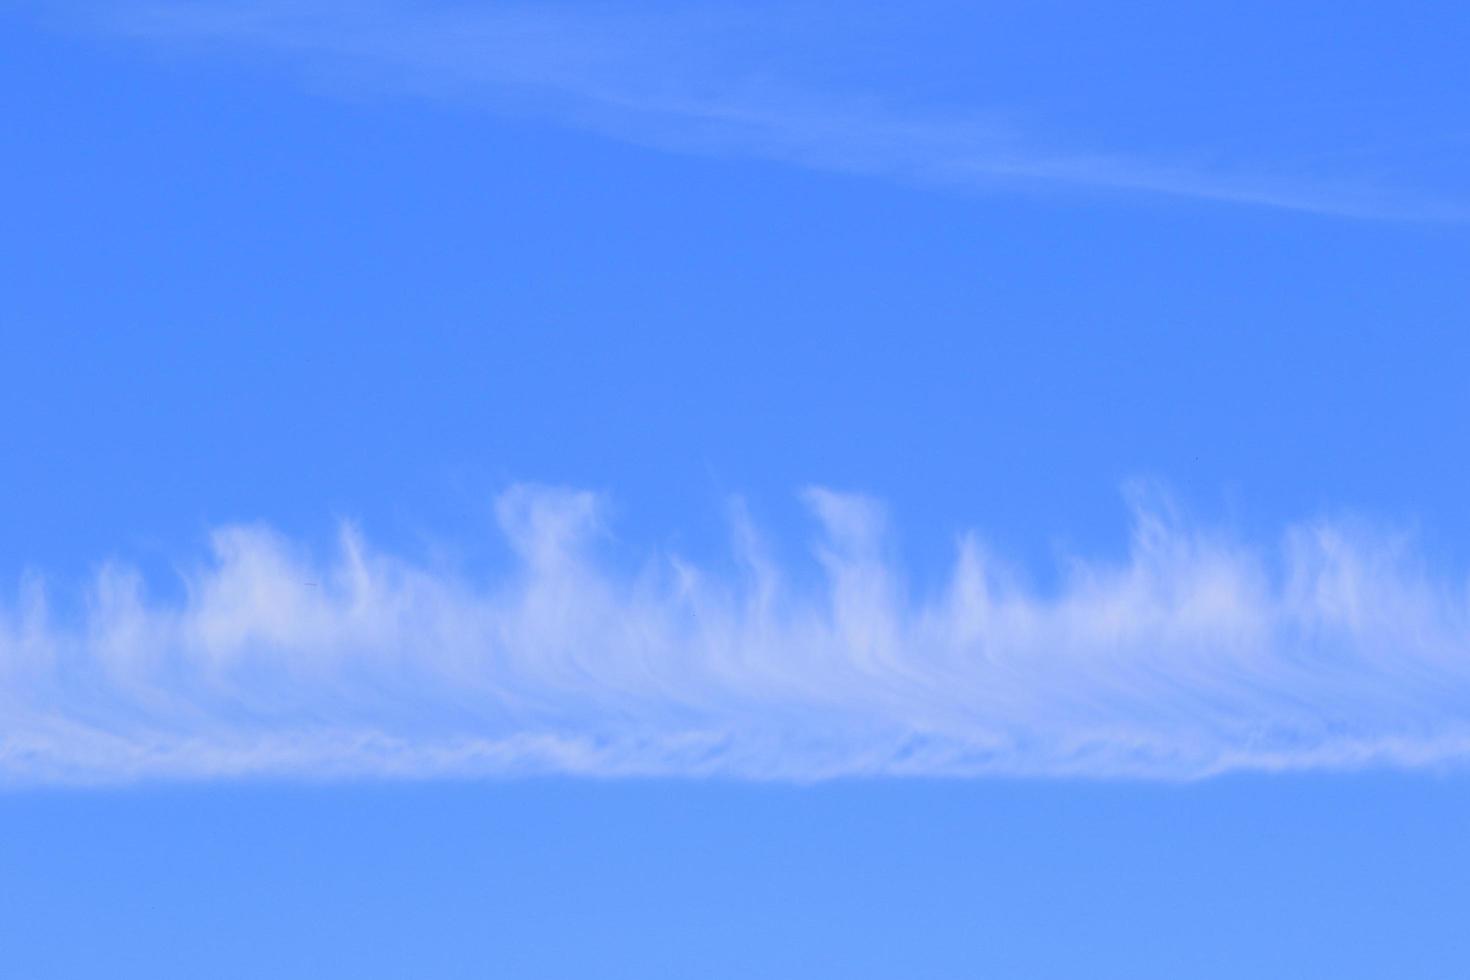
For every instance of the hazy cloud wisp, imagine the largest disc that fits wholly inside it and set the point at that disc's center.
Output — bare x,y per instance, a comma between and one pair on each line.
668,81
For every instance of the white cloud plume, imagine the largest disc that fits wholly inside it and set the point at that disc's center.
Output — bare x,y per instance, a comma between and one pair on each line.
672,80
1194,655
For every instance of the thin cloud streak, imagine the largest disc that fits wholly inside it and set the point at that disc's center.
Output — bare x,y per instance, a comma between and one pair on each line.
667,82
1193,655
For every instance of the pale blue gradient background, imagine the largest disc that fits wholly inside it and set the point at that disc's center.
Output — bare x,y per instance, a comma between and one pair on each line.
1251,877
239,290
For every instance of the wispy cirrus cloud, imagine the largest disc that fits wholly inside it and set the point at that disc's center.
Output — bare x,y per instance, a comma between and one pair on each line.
669,80
1193,655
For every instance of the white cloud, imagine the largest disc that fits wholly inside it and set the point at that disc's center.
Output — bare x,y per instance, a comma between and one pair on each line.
1194,655
673,81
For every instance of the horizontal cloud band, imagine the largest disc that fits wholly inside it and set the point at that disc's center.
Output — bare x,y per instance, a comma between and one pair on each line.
1195,655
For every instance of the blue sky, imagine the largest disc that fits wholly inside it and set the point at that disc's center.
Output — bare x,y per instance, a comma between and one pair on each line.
659,472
